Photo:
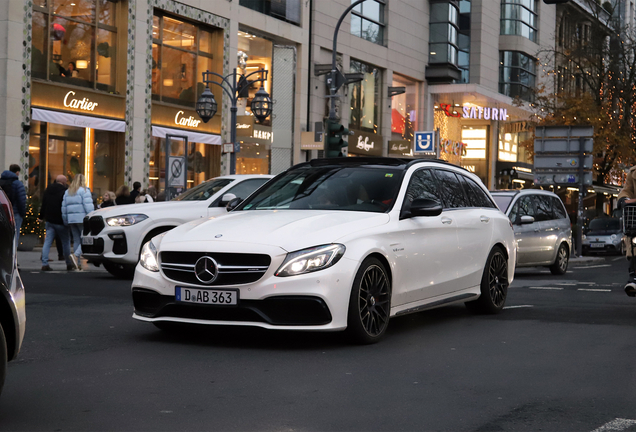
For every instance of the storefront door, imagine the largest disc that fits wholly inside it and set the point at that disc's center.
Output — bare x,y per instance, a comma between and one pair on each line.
65,156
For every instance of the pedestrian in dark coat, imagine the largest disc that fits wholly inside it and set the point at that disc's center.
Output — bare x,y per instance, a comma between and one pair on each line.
51,212
17,196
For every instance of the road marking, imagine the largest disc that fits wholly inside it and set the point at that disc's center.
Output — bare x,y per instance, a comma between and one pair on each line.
594,289
619,258
518,306
546,288
616,425
567,284
587,283
594,266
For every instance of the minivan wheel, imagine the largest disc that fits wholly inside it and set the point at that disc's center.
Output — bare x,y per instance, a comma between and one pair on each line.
560,265
494,285
369,303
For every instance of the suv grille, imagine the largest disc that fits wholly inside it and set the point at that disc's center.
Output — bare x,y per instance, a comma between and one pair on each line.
233,268
93,225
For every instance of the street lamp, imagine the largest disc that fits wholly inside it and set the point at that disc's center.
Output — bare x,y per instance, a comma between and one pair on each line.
261,104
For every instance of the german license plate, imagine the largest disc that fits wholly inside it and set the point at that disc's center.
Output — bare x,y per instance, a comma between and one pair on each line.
597,245
87,241
205,296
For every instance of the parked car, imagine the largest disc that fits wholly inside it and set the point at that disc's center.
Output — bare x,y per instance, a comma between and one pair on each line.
334,244
604,235
542,227
12,313
114,236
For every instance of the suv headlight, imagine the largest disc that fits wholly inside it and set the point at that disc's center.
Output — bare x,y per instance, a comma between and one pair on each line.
310,260
148,257
125,220
613,236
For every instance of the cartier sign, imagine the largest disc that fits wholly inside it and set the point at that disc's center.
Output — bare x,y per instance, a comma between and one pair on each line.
77,101
84,104
181,120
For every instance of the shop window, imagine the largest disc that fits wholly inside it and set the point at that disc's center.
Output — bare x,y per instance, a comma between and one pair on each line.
287,10
76,42
181,52
517,75
508,147
254,157
367,21
475,140
519,18
203,161
404,110
254,53
443,33
365,98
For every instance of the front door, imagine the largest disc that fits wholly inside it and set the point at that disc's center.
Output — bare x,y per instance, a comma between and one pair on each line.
65,157
528,236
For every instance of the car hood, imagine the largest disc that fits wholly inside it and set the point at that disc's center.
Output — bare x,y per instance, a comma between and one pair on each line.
145,208
288,229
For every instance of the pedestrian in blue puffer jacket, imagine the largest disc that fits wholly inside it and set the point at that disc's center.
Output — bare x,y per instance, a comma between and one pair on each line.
17,196
77,203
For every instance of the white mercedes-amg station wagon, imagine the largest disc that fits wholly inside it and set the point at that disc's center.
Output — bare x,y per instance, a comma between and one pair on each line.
334,244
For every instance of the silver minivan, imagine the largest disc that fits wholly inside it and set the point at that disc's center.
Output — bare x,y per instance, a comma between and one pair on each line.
542,227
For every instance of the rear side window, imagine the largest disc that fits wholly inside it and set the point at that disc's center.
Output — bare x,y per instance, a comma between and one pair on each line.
544,208
422,185
476,195
451,189
557,208
523,207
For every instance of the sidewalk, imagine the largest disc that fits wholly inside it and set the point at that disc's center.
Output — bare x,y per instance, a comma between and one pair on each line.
31,261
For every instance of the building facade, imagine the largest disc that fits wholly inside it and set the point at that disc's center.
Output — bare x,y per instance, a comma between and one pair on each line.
108,87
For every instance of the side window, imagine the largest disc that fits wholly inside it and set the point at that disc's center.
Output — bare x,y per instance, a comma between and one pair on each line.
242,190
451,189
557,208
544,207
476,195
523,207
422,185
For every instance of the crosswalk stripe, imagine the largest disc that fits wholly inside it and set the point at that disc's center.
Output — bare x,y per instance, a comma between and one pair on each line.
594,266
518,306
546,288
594,289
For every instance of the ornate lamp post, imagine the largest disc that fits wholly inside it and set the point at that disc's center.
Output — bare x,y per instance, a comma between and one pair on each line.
261,105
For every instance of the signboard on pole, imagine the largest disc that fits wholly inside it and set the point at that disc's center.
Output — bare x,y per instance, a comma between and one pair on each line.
425,143
177,171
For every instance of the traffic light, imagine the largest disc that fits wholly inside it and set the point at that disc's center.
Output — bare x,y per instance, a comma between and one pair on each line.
335,139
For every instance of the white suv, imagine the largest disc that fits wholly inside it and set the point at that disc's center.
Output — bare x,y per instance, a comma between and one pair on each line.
114,236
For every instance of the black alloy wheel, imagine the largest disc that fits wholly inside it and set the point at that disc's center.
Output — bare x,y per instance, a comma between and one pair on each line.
560,265
370,303
494,285
4,358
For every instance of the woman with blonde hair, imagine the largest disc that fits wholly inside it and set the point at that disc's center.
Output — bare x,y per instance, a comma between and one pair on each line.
76,204
108,199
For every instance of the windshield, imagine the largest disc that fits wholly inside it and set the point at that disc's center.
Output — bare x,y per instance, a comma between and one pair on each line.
502,201
365,188
203,191
605,224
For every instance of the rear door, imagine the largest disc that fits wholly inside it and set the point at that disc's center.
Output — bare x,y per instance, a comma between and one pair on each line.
548,228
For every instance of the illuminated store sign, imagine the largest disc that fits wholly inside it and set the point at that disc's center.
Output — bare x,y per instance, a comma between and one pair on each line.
83,104
476,112
183,121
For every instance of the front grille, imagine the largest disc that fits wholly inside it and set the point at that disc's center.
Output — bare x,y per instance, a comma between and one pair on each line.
278,310
96,248
233,268
96,225
87,227
629,220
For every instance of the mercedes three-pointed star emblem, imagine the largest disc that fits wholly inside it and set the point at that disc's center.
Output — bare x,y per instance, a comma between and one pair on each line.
206,269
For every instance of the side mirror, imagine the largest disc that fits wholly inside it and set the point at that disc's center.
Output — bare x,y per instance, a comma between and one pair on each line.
225,199
426,207
233,204
526,220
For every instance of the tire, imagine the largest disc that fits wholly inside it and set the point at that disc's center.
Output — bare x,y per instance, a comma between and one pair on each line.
120,271
369,303
4,358
494,285
560,265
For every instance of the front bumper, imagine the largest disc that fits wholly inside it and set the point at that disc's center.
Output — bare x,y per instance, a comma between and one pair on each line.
313,301
110,244
604,247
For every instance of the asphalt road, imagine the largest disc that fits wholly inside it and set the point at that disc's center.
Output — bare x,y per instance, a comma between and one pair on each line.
560,358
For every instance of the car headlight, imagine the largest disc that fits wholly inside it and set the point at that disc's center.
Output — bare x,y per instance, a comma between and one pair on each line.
148,257
125,220
584,236
310,260
613,236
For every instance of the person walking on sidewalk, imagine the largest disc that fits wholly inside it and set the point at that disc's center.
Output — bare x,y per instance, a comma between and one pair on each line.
51,212
16,193
77,203
628,197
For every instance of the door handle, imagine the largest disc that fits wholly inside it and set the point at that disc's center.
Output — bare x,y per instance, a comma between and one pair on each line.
485,219
447,220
